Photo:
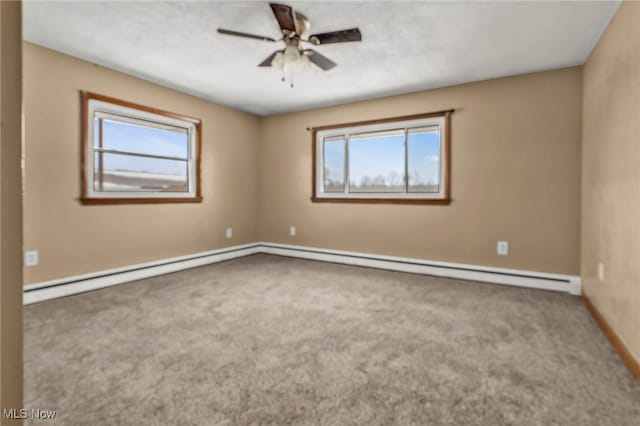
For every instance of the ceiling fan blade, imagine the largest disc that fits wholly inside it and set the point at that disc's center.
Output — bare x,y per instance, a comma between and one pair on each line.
320,60
285,16
247,35
267,62
341,36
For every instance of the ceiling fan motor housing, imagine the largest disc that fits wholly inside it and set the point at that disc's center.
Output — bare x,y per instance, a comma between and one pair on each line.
302,23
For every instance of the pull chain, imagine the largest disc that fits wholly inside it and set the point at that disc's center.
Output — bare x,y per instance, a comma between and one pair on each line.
284,76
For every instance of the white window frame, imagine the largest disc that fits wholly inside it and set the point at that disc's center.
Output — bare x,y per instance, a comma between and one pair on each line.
104,107
405,124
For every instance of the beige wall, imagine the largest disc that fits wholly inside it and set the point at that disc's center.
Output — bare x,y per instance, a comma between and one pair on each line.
256,173
10,208
611,175
515,177
75,239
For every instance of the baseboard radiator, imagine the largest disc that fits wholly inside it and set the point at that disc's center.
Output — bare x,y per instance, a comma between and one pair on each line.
43,291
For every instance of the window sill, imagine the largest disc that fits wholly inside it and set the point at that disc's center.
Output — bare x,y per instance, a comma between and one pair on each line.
432,201
102,201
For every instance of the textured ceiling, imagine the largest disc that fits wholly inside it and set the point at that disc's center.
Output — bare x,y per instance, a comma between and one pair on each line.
407,46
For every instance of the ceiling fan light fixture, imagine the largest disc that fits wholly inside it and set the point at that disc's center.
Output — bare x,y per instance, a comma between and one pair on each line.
293,27
291,55
278,60
305,62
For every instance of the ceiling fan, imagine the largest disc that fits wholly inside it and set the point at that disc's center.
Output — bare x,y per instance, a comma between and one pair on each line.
294,25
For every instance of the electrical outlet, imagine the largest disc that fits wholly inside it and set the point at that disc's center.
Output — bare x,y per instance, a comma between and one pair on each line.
229,232
31,258
503,248
292,231
600,271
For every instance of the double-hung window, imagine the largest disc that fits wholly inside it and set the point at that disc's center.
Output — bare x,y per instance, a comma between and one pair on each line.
133,153
399,160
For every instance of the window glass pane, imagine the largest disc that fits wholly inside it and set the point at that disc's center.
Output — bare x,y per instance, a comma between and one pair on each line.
96,132
424,160
129,173
334,164
376,162
129,137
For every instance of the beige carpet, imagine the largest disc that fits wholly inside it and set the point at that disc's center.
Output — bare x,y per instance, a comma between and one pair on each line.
269,340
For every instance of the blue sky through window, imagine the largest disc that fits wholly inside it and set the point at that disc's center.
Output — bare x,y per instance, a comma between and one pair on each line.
148,140
334,163
424,158
377,158
384,156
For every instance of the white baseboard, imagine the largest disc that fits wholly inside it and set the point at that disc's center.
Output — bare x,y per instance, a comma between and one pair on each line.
80,283
516,277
